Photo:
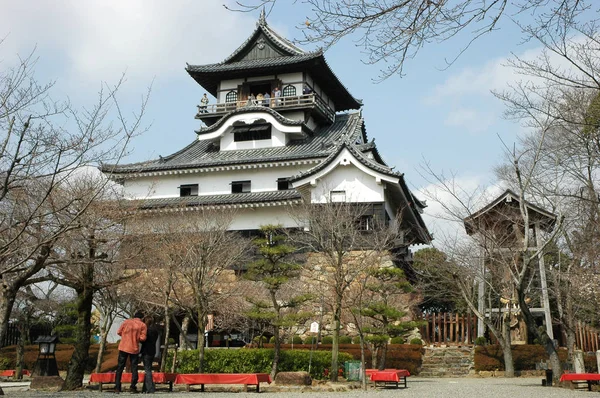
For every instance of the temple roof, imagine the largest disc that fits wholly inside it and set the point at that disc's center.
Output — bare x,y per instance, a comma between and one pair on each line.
265,52
504,207
250,109
205,153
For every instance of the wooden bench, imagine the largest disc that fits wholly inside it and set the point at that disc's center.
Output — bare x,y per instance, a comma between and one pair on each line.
247,379
388,376
109,378
576,378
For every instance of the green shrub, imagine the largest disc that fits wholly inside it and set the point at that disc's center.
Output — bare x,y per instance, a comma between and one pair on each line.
398,340
258,339
296,340
345,340
310,340
272,340
416,341
256,360
356,340
5,363
480,341
327,340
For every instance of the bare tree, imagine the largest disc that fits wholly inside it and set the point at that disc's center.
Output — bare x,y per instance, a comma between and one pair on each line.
392,32
87,258
341,250
43,144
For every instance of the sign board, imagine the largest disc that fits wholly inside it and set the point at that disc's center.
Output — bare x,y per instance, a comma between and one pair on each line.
314,327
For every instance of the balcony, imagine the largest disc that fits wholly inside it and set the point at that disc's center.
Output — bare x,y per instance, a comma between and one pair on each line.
212,112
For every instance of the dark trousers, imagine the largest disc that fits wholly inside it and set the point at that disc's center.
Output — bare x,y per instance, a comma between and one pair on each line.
148,382
133,361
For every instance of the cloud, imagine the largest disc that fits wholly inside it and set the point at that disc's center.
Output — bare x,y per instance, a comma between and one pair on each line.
469,119
446,210
99,40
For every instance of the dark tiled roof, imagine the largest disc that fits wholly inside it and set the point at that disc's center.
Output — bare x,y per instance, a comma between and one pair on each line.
204,153
247,198
253,64
356,152
282,43
248,109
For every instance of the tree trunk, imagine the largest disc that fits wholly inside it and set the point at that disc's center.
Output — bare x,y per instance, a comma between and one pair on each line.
165,350
276,350
509,364
337,315
384,348
20,354
107,322
79,359
541,335
183,341
201,341
7,300
363,363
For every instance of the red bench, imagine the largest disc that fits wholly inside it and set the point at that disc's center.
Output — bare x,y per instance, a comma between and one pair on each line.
581,377
247,379
388,376
11,373
109,378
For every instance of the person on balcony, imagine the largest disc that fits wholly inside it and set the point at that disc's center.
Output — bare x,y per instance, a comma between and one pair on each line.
306,90
251,100
267,100
204,104
259,99
277,95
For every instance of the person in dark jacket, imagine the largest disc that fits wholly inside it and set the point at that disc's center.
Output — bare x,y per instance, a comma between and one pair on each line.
148,353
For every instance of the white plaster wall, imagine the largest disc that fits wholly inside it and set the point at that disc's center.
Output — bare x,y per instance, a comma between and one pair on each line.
260,78
210,183
359,186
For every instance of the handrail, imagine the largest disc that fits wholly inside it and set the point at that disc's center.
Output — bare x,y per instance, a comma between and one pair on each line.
273,102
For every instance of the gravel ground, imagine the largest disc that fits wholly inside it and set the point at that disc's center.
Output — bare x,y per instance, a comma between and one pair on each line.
417,387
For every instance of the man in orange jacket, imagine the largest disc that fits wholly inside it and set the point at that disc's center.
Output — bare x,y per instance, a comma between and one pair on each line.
132,332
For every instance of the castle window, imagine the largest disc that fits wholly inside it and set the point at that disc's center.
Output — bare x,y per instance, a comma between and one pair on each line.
283,184
337,196
231,96
240,186
252,132
365,223
188,190
289,91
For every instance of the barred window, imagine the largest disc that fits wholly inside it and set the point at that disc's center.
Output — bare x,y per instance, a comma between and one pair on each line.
289,91
231,96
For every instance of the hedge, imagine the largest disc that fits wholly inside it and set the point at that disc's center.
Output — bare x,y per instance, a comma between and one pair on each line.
256,360
525,357
399,356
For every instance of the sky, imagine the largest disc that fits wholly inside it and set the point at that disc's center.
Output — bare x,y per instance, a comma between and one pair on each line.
445,117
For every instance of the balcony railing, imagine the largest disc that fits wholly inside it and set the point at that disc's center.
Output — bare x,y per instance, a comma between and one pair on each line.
295,101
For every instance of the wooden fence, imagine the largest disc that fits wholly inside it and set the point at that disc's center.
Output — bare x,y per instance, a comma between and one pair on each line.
13,334
586,337
449,328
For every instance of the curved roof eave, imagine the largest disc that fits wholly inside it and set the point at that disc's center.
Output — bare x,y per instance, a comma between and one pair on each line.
249,109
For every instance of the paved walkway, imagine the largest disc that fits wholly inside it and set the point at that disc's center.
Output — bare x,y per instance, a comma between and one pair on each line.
417,387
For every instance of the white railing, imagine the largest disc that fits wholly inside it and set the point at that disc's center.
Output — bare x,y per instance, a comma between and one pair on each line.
275,103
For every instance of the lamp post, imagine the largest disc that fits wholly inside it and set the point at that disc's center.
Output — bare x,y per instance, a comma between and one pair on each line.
46,361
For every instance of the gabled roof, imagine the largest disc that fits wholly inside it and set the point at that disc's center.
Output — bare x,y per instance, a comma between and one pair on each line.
282,56
206,154
511,200
281,43
412,207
